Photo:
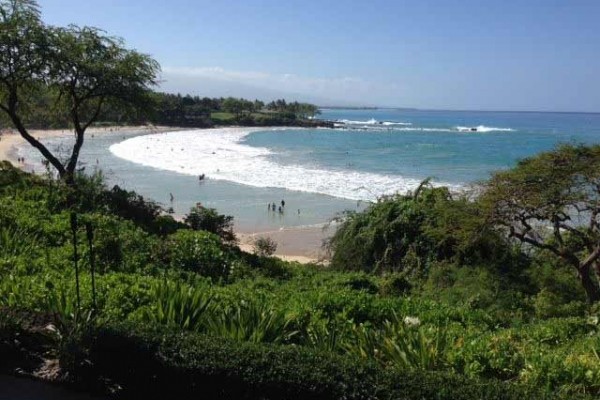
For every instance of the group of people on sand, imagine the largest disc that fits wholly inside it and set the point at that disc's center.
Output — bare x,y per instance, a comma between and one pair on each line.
21,160
273,207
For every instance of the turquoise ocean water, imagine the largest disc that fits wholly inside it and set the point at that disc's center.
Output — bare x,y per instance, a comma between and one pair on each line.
321,172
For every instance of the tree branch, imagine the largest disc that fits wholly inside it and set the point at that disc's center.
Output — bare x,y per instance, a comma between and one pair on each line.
37,144
96,114
591,258
540,245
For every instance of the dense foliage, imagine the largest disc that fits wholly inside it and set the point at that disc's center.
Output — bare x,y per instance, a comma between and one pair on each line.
410,232
195,111
428,296
552,202
208,219
80,72
170,363
465,326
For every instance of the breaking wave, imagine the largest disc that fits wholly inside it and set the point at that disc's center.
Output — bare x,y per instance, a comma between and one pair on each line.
482,128
221,154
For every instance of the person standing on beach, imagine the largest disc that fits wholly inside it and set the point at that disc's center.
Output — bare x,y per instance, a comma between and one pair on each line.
273,207
282,203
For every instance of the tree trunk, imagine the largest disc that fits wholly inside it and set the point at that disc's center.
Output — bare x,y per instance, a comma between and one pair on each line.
37,144
591,289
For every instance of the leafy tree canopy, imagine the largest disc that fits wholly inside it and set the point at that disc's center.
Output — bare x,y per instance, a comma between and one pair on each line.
551,202
406,233
84,72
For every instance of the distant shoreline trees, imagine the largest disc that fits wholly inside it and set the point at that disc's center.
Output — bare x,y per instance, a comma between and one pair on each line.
75,77
195,111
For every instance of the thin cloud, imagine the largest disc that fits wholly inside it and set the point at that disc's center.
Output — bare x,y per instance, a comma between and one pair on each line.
201,80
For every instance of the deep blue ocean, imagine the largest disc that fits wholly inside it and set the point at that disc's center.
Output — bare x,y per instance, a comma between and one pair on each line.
436,144
321,172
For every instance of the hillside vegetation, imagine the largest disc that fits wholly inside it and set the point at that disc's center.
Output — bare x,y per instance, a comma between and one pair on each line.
432,304
430,295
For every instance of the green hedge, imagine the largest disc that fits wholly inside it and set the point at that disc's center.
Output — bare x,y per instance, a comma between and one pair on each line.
156,363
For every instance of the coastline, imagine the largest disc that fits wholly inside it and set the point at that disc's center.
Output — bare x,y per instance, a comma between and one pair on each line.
303,245
10,139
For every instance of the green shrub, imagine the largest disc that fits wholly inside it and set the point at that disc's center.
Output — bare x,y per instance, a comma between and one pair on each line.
152,363
251,321
17,292
395,285
264,246
200,252
477,288
272,267
549,304
362,282
408,232
18,249
208,219
498,356
569,373
15,242
178,305
559,290
119,245
401,343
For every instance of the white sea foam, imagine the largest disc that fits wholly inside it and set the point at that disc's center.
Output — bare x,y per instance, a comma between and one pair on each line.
219,154
389,123
374,125
482,128
372,121
382,128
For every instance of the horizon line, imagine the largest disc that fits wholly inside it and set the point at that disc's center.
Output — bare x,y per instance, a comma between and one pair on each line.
453,110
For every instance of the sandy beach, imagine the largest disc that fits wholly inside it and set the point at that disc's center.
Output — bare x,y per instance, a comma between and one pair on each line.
10,139
302,245
293,244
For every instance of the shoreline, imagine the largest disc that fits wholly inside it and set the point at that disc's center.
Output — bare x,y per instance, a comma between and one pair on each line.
303,245
10,138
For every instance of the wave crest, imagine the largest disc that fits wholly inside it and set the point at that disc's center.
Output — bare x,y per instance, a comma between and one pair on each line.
483,128
219,154
372,121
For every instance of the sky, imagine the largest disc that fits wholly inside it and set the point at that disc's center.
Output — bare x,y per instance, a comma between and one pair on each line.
521,55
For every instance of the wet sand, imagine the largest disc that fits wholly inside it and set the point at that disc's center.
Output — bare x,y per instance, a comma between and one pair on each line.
293,244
